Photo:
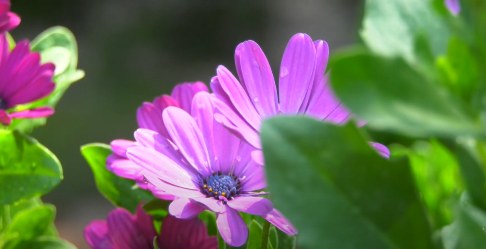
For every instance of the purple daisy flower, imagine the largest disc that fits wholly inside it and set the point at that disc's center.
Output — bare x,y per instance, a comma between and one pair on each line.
8,20
211,170
149,116
23,79
303,89
453,5
123,230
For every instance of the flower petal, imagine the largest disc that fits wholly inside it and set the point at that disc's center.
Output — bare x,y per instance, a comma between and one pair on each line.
187,136
120,146
96,235
253,177
239,97
202,112
164,168
296,73
251,205
124,168
188,233
210,204
124,232
184,208
145,222
33,113
318,85
5,118
183,94
152,139
150,117
454,6
168,188
257,156
381,149
278,220
258,78
232,227
159,193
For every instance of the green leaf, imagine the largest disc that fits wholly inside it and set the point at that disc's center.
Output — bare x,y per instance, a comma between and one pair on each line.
45,242
28,225
273,237
31,203
27,169
337,190
393,97
57,45
117,190
155,243
255,236
285,241
468,229
210,219
436,173
157,208
391,27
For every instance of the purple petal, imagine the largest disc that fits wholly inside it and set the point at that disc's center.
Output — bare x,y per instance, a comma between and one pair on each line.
33,113
239,97
125,233
124,168
381,149
96,235
184,208
145,222
187,136
210,204
232,227
251,205
152,139
226,146
296,73
120,146
220,94
161,166
202,112
187,234
5,118
318,85
453,5
168,188
159,193
150,117
199,86
183,94
257,156
278,220
238,50
258,78
14,21
253,177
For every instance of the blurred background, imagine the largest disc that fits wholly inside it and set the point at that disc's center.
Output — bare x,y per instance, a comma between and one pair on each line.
133,51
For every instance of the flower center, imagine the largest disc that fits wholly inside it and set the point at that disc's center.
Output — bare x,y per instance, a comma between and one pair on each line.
220,184
3,105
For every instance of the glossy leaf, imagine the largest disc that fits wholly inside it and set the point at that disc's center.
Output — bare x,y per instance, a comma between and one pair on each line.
27,168
255,236
117,190
468,229
391,27
337,190
28,225
45,242
393,97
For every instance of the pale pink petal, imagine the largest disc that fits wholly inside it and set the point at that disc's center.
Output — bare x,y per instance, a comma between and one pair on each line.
96,235
381,149
296,73
319,86
168,188
161,166
219,94
183,94
251,205
210,204
33,113
152,139
253,178
239,97
124,168
120,146
5,118
232,227
184,208
453,5
238,50
199,86
226,146
257,156
187,136
258,78
203,113
159,193
278,220
150,117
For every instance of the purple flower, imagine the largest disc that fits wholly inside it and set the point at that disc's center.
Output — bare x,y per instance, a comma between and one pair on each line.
8,20
149,116
303,89
453,5
211,170
23,79
123,230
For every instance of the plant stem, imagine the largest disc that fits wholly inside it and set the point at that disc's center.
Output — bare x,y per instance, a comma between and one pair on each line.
265,233
5,216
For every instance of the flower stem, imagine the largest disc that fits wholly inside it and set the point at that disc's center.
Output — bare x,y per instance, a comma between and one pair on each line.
265,233
5,216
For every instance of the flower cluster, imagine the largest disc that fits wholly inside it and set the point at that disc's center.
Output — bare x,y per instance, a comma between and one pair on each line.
24,79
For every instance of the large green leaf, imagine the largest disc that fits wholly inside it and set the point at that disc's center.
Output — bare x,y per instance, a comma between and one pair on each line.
119,191
57,45
255,236
468,229
391,96
391,27
337,191
28,225
45,242
27,169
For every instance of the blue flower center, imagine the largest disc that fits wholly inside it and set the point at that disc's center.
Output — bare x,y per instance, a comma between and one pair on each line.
220,184
3,105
